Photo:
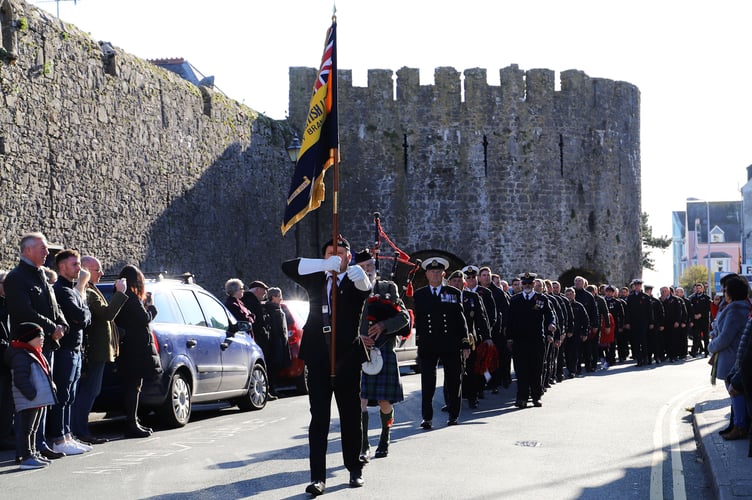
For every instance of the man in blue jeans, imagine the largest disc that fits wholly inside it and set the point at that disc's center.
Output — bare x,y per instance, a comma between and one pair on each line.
67,366
100,347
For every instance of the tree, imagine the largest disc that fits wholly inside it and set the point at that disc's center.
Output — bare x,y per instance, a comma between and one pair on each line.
650,241
692,275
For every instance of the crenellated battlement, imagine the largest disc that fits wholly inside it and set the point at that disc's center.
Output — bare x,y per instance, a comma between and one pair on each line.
519,158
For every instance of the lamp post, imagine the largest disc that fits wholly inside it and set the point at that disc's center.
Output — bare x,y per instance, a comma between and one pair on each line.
293,149
707,230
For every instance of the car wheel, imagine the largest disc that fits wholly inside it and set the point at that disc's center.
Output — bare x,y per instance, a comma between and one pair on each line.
176,410
258,388
301,383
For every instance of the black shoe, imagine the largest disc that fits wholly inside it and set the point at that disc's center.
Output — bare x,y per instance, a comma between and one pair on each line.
92,439
356,479
365,456
537,404
52,455
381,452
520,404
445,408
474,404
137,432
728,429
452,421
316,488
426,424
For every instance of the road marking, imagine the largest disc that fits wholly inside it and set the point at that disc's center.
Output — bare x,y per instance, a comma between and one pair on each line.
659,455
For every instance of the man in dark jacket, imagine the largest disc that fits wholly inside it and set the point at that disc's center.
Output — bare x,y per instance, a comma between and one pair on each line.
638,321
352,287
441,334
66,369
29,298
531,326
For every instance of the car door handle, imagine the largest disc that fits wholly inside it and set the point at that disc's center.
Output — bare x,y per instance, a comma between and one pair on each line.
191,343
224,345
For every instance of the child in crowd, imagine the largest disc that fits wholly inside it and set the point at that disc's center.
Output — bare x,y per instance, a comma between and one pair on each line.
33,389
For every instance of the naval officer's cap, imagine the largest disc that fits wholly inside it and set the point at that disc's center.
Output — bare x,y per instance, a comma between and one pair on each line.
470,271
456,274
435,263
527,278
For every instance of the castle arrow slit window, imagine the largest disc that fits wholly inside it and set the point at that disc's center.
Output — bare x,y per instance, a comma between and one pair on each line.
404,151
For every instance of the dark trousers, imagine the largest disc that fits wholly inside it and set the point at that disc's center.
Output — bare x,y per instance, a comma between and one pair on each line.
346,390
572,353
699,341
528,365
66,373
622,344
472,383
89,387
28,423
6,402
452,362
638,338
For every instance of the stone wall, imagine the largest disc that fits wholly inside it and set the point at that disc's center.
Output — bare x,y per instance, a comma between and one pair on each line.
518,176
123,160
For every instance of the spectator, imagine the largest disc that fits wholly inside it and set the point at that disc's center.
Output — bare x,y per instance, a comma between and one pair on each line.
66,368
234,302
727,333
33,389
138,358
102,344
278,349
29,298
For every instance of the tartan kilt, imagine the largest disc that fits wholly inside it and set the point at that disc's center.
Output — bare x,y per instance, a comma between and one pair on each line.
385,385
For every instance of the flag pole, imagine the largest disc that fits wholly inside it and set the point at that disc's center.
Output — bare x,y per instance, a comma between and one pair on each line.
334,155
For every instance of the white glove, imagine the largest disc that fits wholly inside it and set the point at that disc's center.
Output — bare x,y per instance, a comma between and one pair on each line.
359,277
310,266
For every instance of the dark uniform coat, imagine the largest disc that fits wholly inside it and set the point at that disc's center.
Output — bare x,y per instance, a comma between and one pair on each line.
441,333
528,323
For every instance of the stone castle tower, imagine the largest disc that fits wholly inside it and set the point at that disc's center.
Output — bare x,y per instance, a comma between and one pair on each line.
521,176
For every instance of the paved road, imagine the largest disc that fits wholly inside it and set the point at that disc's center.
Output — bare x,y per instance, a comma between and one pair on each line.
619,433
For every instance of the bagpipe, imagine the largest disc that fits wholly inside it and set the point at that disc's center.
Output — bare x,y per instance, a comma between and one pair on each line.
381,305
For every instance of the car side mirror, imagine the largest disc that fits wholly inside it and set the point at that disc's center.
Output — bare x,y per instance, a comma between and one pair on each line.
241,326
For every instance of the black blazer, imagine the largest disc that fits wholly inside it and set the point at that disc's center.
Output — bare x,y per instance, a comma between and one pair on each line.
350,300
440,325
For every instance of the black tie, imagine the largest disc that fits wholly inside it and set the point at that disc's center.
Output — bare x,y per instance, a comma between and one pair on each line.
436,292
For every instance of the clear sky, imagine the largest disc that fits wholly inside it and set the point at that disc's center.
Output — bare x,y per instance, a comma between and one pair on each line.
689,59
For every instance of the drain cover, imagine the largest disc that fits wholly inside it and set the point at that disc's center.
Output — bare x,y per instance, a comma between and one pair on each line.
528,444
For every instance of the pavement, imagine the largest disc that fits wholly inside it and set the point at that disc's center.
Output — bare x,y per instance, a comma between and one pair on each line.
727,461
